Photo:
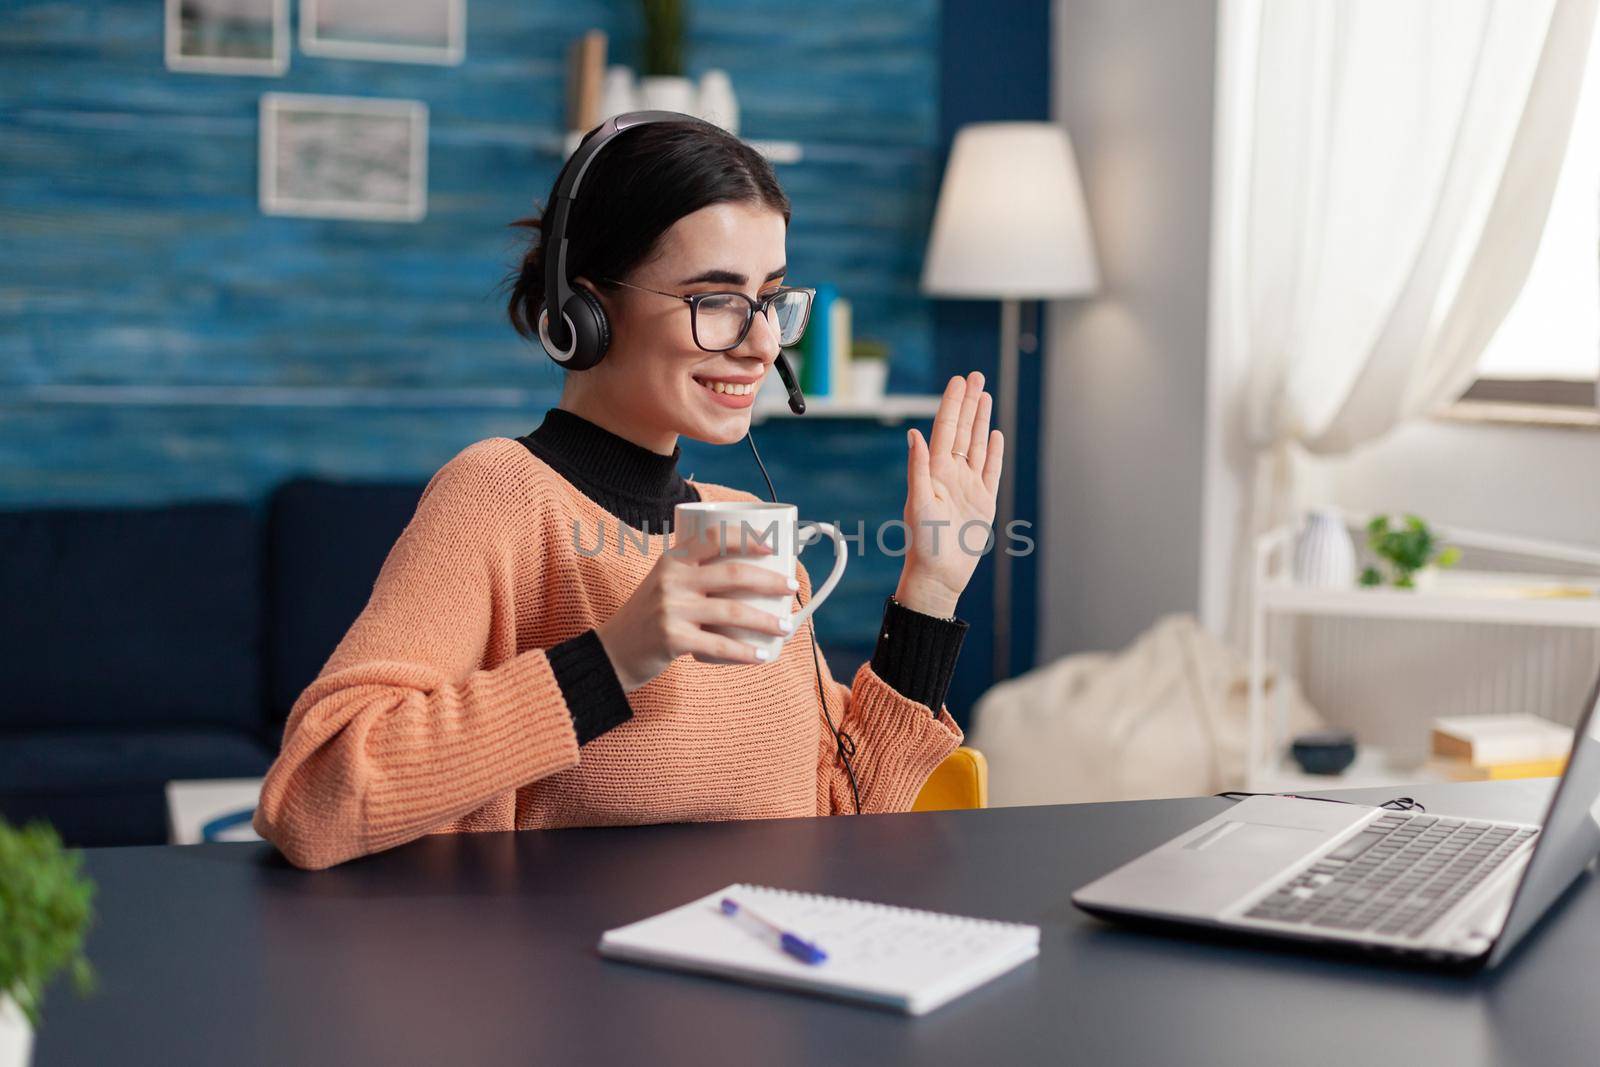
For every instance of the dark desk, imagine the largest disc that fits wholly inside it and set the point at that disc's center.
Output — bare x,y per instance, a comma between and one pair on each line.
480,949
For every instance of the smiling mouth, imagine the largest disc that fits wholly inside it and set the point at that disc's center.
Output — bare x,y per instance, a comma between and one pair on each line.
718,385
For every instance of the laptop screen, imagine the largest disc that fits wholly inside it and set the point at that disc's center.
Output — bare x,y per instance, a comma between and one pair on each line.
1569,840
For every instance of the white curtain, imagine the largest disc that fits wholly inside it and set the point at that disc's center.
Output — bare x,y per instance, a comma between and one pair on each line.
1384,172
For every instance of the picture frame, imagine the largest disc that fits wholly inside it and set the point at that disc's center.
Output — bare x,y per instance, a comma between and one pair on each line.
343,157
227,36
395,31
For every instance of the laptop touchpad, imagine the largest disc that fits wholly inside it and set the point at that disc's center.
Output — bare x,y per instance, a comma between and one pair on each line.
1257,838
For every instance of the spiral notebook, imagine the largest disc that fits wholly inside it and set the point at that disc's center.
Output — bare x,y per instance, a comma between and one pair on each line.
891,957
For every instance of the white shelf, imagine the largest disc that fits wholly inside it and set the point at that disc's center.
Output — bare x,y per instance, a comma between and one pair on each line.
1459,596
890,409
778,151
1374,768
1465,597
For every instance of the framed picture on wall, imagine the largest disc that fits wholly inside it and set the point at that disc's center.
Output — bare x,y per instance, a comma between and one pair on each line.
228,36
344,157
399,31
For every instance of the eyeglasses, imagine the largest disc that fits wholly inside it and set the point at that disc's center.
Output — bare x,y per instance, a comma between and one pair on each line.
721,321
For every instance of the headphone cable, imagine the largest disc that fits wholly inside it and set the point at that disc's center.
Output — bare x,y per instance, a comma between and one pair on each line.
843,743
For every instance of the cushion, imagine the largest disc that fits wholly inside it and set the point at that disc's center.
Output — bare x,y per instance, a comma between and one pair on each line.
90,820
130,616
326,543
73,761
105,787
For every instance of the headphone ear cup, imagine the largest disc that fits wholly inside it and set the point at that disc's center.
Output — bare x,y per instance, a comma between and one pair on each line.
591,329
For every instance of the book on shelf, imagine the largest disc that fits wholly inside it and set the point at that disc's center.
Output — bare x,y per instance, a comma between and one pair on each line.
1460,770
586,67
1499,740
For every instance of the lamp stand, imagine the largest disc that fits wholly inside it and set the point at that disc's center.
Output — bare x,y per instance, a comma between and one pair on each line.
1010,319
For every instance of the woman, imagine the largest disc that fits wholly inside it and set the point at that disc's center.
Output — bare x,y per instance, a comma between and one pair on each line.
505,675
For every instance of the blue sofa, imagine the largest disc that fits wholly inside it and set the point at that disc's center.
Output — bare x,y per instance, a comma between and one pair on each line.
142,644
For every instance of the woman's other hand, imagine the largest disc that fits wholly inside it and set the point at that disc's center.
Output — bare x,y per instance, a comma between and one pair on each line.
951,482
687,590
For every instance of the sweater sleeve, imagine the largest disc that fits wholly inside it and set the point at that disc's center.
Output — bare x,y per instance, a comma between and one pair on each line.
590,685
893,742
916,653
405,730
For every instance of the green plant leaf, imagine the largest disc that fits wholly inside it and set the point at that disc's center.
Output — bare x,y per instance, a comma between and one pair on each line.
46,908
663,37
1370,576
1409,548
1376,529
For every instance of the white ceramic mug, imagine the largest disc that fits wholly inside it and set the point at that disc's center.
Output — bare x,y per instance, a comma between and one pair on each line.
778,527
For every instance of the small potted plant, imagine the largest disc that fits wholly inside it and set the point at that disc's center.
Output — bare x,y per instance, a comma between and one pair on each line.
1411,551
869,371
45,911
662,85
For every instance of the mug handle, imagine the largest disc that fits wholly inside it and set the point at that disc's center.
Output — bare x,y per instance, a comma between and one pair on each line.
808,533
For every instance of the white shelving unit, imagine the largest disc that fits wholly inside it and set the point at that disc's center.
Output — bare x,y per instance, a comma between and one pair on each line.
778,152
1503,598
888,409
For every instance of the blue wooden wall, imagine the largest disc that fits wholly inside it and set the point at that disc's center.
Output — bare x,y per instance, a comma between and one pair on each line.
161,339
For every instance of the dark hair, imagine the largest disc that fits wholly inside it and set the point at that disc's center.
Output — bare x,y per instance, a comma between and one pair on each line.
645,180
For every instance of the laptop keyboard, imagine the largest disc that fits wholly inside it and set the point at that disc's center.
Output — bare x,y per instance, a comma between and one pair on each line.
1396,877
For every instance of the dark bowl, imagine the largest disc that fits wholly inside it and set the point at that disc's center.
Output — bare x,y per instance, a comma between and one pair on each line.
1324,751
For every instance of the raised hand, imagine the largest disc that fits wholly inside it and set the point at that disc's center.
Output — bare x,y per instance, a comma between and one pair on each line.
951,482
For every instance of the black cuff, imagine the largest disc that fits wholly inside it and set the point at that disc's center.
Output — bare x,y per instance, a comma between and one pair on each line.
916,653
589,685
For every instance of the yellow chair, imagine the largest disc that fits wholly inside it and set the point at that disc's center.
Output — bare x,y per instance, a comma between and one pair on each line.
961,781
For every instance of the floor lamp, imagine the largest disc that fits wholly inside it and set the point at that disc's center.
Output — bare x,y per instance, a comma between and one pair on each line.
1010,226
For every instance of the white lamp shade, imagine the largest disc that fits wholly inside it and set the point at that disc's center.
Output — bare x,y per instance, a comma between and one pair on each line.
1011,223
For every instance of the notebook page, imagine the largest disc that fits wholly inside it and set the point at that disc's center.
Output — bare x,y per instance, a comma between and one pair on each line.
895,956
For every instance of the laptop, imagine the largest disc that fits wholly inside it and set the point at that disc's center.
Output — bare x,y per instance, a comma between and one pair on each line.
1434,888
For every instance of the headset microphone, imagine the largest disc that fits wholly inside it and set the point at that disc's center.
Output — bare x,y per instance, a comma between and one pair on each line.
797,400
843,744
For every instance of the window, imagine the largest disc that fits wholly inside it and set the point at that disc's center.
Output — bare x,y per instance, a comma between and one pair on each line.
1548,349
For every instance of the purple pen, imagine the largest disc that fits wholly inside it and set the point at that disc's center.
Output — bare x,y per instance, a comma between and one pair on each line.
796,946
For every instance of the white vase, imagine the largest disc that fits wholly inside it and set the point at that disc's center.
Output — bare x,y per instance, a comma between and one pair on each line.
16,1034
867,380
1324,554
1426,579
664,93
717,104
618,93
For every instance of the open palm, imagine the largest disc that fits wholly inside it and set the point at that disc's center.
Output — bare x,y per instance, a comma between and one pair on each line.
951,482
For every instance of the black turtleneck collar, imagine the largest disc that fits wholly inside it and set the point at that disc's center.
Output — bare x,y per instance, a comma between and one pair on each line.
638,486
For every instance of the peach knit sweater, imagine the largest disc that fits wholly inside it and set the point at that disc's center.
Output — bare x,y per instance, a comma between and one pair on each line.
439,712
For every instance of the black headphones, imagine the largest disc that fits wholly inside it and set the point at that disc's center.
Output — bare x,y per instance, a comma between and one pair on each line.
581,336
578,339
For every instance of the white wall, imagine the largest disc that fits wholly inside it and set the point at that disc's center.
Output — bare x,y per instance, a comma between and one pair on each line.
1124,403
1530,481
